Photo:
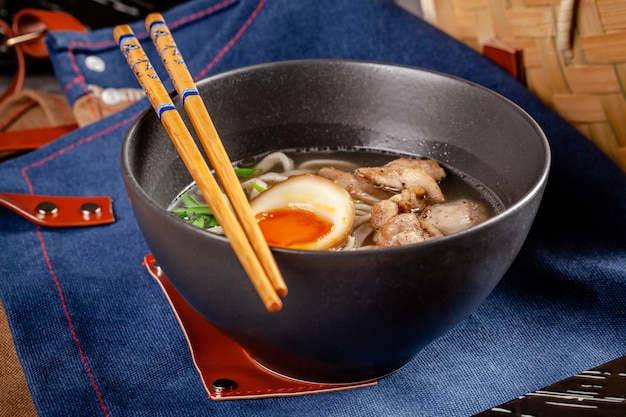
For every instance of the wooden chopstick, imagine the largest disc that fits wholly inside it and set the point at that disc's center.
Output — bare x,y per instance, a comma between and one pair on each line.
209,138
196,165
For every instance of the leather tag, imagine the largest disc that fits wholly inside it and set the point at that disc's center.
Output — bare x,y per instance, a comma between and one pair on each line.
506,56
58,211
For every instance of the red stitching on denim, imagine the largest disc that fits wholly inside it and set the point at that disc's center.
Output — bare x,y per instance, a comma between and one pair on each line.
71,147
232,42
80,79
201,14
83,357
72,83
55,278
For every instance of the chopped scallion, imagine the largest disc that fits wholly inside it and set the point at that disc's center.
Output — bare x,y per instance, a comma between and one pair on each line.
196,213
245,172
257,187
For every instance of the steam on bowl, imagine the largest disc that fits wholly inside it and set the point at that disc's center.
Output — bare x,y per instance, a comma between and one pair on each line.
354,315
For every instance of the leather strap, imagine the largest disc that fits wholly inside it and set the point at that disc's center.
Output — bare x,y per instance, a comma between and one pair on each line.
27,36
35,21
60,211
29,139
30,119
20,73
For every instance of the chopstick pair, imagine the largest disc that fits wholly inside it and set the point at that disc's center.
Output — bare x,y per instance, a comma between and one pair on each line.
242,230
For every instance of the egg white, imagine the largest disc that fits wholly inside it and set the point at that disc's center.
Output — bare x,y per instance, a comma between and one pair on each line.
310,192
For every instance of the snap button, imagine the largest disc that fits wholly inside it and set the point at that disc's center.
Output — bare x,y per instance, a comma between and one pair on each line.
111,96
46,207
95,63
90,208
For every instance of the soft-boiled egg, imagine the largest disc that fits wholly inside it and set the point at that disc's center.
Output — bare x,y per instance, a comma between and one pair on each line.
304,212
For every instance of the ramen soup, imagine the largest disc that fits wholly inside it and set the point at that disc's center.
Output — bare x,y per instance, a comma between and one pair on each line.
349,199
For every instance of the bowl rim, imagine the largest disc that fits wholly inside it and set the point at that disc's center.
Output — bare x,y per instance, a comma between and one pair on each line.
534,191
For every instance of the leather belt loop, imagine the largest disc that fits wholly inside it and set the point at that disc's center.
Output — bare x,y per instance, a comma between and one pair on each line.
29,21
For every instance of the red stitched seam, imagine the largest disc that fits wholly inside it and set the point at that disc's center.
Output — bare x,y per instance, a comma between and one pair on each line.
79,78
68,316
24,171
71,147
201,14
281,390
232,42
81,81
72,83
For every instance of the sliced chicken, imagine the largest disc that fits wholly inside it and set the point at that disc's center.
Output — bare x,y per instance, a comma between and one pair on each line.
430,229
411,200
430,166
402,178
455,216
382,211
358,187
403,229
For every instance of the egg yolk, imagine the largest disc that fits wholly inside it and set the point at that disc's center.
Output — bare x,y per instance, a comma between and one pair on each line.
293,228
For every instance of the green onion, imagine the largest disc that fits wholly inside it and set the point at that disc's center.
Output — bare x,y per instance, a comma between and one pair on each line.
257,187
198,222
190,201
245,172
212,222
196,213
200,214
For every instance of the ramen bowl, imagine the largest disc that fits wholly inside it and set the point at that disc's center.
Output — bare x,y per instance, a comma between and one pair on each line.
354,315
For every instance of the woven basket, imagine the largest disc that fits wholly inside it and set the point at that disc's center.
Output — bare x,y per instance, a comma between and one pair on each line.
585,82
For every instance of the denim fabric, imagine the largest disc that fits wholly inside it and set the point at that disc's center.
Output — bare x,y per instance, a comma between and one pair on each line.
96,335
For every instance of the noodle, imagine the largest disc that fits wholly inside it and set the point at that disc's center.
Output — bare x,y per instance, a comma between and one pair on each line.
361,229
277,167
274,159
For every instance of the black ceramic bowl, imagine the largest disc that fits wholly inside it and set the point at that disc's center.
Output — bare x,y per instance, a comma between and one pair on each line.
349,316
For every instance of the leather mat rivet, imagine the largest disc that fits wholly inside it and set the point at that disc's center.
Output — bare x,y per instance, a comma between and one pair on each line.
223,385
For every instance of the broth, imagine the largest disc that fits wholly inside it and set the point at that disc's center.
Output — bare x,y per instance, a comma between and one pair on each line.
274,167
